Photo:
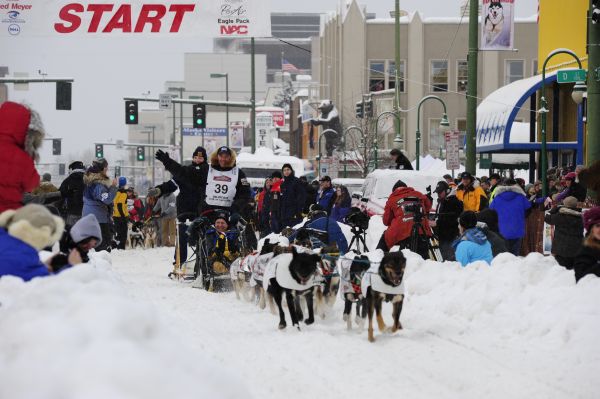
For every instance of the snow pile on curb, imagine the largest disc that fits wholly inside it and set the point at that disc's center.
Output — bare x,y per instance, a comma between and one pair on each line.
79,335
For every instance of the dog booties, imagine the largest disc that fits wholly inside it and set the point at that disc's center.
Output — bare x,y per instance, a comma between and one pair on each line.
278,268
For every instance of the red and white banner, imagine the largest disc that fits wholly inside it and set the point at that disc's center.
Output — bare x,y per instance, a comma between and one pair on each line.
497,24
277,113
213,18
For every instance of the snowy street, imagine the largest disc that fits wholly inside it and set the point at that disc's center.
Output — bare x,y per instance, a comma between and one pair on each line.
518,329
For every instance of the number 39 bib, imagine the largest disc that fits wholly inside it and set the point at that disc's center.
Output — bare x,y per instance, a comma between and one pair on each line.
220,187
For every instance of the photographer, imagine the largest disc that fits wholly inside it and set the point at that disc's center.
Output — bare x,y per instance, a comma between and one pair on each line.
404,208
445,226
82,237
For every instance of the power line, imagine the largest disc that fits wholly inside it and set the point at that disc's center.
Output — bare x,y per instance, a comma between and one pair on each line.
293,45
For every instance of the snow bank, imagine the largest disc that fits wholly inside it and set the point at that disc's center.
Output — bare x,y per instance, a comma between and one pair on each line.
79,335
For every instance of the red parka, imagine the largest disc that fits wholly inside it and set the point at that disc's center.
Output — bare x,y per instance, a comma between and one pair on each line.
18,171
399,221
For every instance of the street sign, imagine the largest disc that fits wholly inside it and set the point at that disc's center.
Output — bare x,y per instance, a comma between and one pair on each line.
571,75
452,139
164,101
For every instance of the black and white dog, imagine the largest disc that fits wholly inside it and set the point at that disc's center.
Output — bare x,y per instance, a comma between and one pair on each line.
494,21
352,272
292,274
384,283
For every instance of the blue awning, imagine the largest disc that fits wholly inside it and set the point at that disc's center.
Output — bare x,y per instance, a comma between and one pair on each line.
497,130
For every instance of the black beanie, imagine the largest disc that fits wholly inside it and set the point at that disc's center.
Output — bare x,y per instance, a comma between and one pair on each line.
276,174
287,165
201,150
399,183
490,218
467,220
76,165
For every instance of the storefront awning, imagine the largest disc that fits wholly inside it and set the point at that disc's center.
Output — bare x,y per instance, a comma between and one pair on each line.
497,130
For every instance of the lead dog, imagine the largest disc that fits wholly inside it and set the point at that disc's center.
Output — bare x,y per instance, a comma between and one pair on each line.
352,272
292,274
385,283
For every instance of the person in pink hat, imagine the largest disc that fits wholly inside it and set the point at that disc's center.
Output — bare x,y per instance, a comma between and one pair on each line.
21,135
587,260
573,189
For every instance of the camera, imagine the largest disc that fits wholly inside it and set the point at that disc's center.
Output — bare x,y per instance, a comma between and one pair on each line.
414,208
357,218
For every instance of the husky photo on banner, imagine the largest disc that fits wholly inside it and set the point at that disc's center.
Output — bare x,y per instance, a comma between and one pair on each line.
497,24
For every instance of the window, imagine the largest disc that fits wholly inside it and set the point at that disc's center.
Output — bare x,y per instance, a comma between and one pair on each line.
439,75
462,76
376,75
514,70
535,68
436,136
392,75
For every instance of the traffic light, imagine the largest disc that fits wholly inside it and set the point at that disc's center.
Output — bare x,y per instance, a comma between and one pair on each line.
117,170
595,11
62,169
360,109
99,151
141,153
131,112
199,114
368,108
56,146
63,96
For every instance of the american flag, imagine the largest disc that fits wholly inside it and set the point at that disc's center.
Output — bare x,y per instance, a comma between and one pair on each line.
287,66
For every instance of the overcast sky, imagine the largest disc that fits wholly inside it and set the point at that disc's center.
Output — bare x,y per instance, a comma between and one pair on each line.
106,70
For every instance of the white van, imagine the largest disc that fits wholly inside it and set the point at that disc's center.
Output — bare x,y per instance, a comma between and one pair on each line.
379,183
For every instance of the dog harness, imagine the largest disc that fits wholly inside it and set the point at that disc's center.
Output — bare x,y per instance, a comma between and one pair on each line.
279,268
373,279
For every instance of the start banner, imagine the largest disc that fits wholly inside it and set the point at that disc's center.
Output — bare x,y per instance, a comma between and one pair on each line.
497,24
63,18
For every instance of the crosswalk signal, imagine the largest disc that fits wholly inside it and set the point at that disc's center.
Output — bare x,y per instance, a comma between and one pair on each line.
141,153
56,146
131,112
199,115
360,109
99,151
368,108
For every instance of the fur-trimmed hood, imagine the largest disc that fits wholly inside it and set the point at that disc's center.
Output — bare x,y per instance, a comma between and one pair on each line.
504,189
33,224
214,160
21,126
90,178
569,211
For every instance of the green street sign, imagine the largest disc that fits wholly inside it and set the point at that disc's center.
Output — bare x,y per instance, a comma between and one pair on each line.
571,75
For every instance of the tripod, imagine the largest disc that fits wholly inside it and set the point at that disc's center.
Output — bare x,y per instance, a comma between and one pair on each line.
358,237
433,246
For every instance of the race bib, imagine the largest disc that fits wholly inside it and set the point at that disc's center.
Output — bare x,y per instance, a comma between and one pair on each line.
221,187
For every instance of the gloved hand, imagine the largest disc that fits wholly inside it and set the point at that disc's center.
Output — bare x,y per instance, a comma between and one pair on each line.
154,192
234,218
162,156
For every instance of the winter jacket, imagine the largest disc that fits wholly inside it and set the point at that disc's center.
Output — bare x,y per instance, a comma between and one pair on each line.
472,246
292,200
472,197
120,204
18,171
511,204
19,258
400,220
71,190
98,196
496,241
403,163
309,197
135,209
191,182
339,213
265,209
448,210
275,200
576,190
166,206
325,199
568,231
334,232
587,260
242,201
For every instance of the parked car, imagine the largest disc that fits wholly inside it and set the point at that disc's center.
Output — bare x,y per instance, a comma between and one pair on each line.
379,183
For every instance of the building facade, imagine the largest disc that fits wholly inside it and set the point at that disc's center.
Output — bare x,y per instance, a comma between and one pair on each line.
355,56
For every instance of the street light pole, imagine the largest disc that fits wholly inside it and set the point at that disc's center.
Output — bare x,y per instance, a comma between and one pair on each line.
544,110
444,122
471,153
397,139
226,76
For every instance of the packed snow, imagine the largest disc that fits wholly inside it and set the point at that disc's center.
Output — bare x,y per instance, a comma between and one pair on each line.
520,328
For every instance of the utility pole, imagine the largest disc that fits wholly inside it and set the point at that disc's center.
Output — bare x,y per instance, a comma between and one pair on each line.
253,95
397,143
472,86
593,84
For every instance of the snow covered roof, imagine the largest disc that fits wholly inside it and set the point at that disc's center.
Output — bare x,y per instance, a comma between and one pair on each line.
496,117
